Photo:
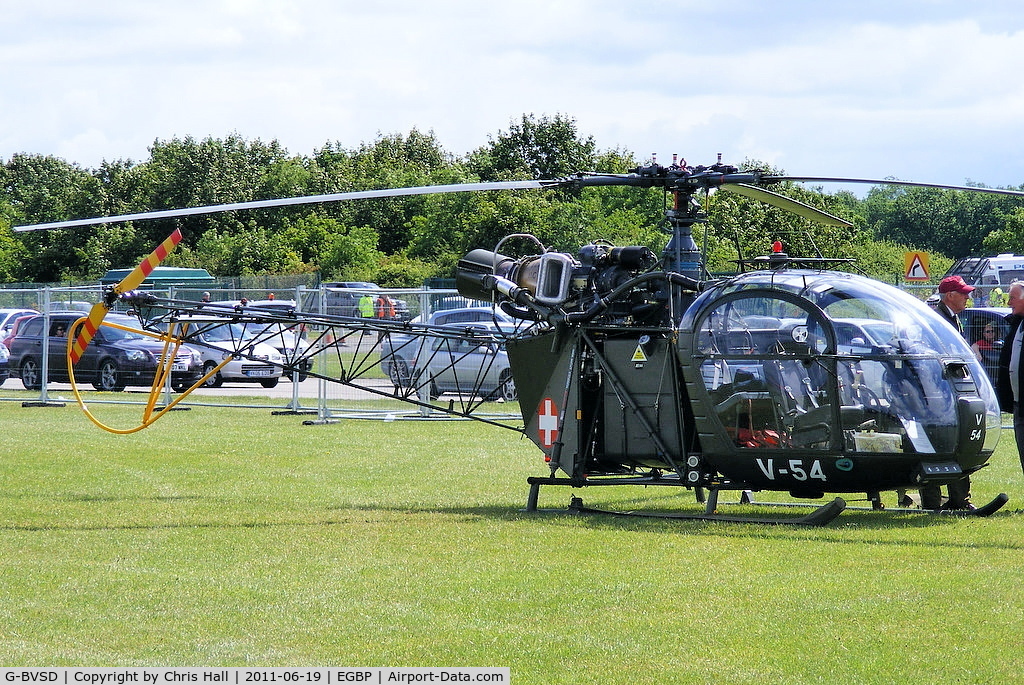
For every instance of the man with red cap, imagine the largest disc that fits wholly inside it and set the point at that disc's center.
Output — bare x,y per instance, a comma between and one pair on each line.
953,295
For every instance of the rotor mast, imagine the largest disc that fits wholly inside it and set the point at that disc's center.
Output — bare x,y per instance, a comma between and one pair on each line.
681,254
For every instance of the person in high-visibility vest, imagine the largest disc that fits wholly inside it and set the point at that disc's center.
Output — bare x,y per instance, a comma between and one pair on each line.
366,306
385,307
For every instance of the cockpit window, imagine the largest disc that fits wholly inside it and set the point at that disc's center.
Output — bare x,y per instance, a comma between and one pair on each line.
807,361
759,368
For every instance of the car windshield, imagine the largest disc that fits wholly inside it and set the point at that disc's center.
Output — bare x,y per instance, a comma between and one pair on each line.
276,334
229,332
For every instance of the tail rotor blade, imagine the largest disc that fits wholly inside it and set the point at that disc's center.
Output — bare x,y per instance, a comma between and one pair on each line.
89,328
129,282
139,274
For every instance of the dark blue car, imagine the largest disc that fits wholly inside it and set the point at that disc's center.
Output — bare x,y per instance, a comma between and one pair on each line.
113,360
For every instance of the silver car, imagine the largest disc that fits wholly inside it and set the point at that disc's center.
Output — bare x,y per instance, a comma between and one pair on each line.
286,339
401,355
470,365
262,363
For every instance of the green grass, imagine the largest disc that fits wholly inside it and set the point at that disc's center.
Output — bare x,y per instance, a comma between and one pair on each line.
225,536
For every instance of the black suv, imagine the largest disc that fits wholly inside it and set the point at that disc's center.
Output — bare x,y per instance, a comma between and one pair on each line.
113,360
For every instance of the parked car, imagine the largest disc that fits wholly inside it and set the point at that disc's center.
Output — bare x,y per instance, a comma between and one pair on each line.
284,338
974,320
70,306
439,302
9,316
860,333
399,352
458,364
12,328
221,341
481,313
5,367
341,298
114,359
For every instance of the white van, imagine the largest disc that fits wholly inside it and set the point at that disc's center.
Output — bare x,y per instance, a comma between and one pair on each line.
989,271
986,273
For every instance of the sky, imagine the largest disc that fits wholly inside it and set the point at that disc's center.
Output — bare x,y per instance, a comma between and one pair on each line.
919,90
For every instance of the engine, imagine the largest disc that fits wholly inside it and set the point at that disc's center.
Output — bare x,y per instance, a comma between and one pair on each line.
616,283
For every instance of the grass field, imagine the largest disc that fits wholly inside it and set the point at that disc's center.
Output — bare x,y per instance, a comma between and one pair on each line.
231,537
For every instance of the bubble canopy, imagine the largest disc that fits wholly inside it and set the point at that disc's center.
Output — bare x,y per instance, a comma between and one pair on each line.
820,349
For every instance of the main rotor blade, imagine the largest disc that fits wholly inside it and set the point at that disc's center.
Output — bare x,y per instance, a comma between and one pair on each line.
129,282
891,182
787,203
289,201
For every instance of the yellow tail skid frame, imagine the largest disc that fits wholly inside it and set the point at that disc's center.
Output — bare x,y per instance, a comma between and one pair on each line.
163,371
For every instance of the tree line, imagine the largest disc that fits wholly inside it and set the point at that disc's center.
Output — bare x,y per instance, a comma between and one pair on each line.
399,242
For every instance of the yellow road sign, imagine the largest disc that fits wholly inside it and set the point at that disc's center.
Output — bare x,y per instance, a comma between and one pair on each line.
915,266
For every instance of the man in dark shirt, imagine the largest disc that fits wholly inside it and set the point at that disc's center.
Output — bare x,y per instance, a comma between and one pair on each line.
953,295
1011,366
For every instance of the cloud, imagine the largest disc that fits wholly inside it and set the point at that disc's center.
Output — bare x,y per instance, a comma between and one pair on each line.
924,90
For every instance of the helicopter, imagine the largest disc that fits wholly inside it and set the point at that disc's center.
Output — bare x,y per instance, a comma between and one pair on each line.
638,369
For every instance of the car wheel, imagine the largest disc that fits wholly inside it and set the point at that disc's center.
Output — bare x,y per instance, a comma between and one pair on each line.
108,377
214,381
269,382
30,376
398,371
506,387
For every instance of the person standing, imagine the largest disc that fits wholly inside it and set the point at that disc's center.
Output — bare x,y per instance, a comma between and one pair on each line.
953,296
1011,366
385,307
366,309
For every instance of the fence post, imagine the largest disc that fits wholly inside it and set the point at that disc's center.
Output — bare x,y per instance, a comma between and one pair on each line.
44,368
45,363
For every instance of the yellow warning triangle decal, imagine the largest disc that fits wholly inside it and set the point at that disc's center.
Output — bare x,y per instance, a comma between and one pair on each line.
639,355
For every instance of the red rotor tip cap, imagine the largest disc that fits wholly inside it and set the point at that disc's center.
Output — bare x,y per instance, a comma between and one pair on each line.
777,246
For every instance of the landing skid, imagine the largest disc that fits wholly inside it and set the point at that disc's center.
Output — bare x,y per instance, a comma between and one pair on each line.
821,516
985,510
988,509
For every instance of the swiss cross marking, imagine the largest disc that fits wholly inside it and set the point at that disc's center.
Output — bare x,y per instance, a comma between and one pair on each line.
547,423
